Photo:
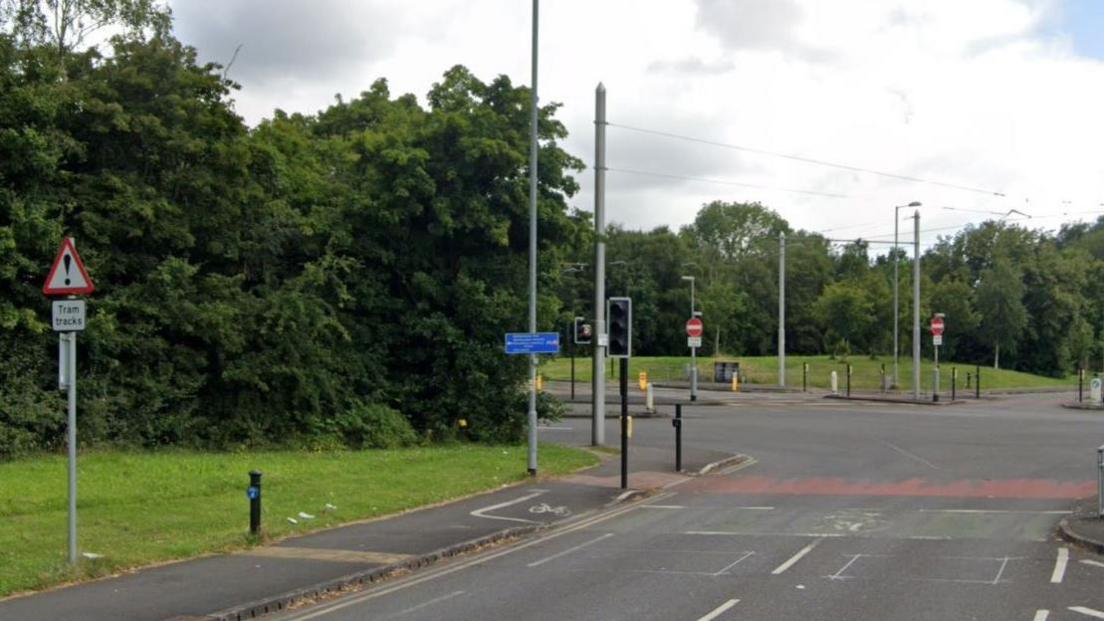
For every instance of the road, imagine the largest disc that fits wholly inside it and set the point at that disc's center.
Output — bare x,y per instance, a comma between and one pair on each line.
849,511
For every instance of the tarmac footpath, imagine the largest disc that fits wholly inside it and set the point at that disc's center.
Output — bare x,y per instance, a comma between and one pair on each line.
268,579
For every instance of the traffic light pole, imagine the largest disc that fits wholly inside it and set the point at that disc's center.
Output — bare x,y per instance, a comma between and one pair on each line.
598,375
624,423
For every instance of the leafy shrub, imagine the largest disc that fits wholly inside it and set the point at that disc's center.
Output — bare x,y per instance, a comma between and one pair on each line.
371,425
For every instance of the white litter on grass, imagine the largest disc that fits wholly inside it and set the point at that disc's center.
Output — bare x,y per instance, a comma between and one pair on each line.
91,555
330,507
292,520
306,516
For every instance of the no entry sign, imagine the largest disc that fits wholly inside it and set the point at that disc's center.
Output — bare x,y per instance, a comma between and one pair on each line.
694,327
937,326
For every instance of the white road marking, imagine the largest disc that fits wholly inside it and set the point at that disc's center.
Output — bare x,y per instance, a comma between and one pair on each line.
568,551
994,511
1088,612
733,564
1004,563
839,574
662,507
625,495
720,610
795,558
1093,563
1060,566
430,602
1041,615
555,428
445,571
482,512
911,455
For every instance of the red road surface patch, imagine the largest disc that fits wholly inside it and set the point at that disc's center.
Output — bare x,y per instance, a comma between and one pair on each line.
1008,488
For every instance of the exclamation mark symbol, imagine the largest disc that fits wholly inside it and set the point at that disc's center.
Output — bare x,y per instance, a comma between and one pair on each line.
68,260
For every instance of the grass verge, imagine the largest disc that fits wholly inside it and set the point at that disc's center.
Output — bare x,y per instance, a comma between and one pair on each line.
866,372
142,508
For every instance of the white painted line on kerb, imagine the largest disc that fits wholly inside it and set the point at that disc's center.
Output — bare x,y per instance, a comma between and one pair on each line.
662,507
1041,615
720,610
482,512
1088,612
1060,566
568,551
1093,563
795,558
435,600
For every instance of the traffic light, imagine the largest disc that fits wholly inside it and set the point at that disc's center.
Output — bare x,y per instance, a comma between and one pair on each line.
619,314
583,333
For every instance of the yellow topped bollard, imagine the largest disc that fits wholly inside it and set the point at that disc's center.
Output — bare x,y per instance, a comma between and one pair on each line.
540,383
643,380
735,383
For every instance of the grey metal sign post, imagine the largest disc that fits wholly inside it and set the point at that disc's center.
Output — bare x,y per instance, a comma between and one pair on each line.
68,278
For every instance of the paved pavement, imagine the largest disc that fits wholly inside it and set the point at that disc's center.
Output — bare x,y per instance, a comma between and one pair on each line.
851,511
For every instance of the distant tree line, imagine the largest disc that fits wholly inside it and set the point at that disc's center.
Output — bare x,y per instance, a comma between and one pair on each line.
1014,297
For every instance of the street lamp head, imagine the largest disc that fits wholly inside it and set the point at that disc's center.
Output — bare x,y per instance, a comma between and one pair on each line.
915,204
689,278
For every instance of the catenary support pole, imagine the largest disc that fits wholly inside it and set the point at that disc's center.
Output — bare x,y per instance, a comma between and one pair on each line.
896,295
533,113
72,433
598,377
782,310
916,306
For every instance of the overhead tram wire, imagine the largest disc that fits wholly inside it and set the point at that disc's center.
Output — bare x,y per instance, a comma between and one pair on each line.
807,160
753,186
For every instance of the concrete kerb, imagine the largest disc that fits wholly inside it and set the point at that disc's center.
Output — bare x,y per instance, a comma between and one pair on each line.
1085,405
283,601
895,400
1068,533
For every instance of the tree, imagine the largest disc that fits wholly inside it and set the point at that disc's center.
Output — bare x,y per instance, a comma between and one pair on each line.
846,312
1000,304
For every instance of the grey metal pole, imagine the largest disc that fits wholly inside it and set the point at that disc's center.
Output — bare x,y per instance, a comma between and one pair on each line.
533,248
896,310
72,448
598,377
693,353
916,306
782,310
1100,482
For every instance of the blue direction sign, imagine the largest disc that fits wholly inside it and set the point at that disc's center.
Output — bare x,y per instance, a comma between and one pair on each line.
532,343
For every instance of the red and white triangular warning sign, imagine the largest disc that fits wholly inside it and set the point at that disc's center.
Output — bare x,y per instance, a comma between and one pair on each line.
68,276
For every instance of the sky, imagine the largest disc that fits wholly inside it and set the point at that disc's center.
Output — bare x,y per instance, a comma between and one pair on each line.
987,106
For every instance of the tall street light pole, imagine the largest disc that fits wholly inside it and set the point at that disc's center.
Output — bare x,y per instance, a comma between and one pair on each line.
533,247
693,350
896,310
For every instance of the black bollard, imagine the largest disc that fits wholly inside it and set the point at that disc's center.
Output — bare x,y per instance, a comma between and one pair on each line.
254,493
677,422
977,382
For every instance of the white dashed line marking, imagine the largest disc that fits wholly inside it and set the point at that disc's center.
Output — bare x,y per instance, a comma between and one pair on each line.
1060,566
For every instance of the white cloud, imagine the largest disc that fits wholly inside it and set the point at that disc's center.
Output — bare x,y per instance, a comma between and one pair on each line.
972,93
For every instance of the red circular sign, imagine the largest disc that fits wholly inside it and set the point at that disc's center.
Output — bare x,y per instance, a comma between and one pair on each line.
937,326
694,327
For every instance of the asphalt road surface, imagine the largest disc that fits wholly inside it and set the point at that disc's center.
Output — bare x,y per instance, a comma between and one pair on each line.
849,512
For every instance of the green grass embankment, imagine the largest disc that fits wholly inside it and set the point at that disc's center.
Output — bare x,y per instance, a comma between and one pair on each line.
141,508
866,372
